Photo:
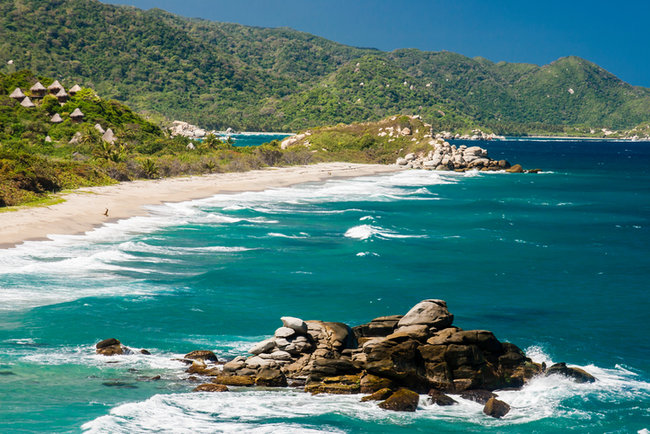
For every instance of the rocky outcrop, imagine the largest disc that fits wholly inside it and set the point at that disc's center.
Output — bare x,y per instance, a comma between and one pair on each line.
180,128
393,359
420,351
444,156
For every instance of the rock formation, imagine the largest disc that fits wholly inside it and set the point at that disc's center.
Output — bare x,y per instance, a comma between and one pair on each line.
393,359
444,156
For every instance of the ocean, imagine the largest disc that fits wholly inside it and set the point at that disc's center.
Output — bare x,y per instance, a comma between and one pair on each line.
556,262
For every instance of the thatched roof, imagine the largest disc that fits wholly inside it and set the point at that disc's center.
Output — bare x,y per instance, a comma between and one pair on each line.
27,103
74,89
100,129
61,94
54,87
38,87
17,94
56,119
109,136
76,113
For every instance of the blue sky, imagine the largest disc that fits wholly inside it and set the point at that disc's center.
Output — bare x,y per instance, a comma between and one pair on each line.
615,35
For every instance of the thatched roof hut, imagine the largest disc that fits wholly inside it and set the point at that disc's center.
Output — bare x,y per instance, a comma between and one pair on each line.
76,115
55,87
56,119
17,94
38,90
74,89
62,96
27,103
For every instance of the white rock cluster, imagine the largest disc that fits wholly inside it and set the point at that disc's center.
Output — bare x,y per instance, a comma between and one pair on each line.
294,139
180,128
449,157
287,344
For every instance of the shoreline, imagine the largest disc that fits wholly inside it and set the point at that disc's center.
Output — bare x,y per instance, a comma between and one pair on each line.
83,209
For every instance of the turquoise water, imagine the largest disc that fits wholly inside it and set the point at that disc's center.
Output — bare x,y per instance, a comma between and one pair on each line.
557,263
255,139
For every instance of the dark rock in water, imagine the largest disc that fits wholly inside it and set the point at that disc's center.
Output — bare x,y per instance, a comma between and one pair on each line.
576,374
107,343
439,398
111,347
119,385
6,373
202,369
269,377
203,355
156,378
186,361
211,387
402,400
496,408
533,170
234,380
479,395
515,169
145,352
380,395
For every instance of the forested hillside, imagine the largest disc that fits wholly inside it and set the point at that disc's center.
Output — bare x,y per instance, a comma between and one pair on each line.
223,75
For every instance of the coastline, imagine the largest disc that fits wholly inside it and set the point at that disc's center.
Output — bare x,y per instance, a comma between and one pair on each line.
82,209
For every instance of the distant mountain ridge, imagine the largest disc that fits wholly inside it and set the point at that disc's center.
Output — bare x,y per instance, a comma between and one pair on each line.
228,75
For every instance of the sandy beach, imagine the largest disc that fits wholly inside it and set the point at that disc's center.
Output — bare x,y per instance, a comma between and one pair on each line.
84,208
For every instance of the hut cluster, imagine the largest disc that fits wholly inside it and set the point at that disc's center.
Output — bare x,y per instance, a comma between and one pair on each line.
37,92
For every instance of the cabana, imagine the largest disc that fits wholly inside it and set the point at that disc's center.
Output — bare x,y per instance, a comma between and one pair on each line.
74,89
62,96
56,119
17,94
38,90
27,103
77,116
55,87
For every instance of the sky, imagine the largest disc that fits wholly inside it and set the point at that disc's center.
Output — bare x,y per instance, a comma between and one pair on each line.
613,34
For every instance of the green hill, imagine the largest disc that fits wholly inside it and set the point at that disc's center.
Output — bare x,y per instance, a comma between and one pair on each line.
223,75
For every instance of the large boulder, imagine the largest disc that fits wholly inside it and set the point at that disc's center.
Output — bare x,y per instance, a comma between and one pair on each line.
110,347
496,408
436,397
270,377
576,374
515,169
432,313
203,355
402,400
294,323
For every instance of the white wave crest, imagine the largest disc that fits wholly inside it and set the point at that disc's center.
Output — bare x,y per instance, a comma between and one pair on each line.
364,232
